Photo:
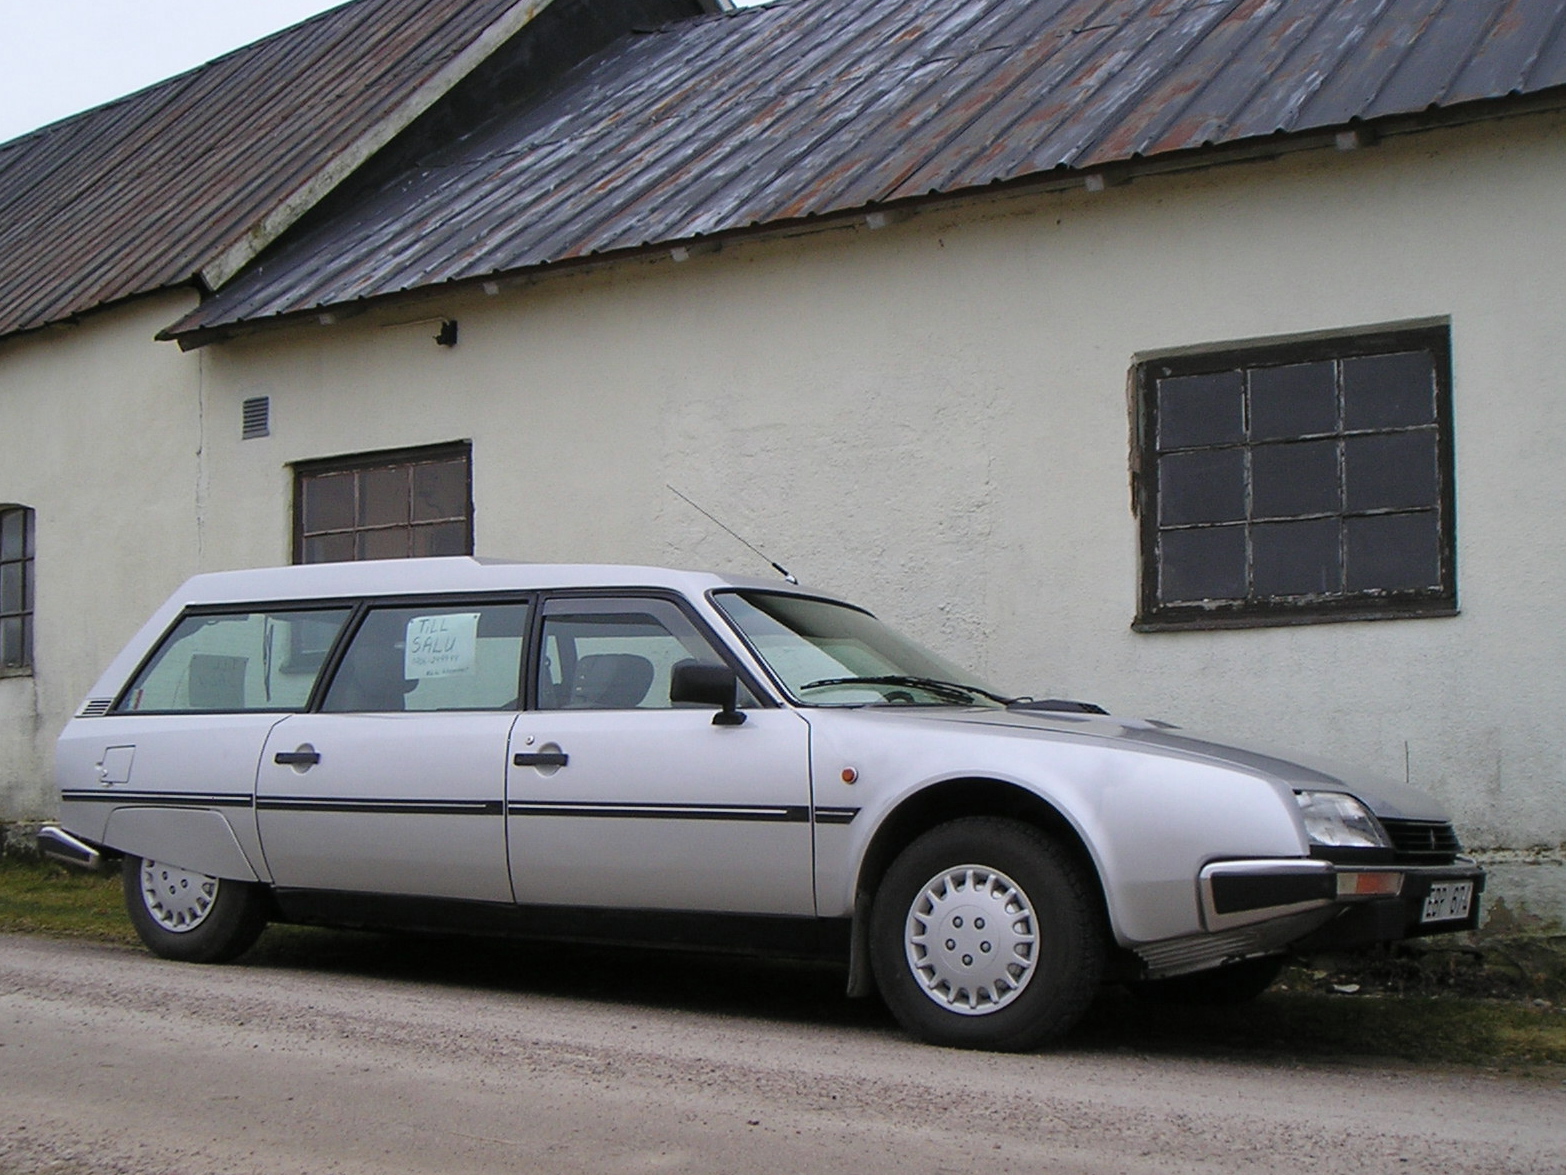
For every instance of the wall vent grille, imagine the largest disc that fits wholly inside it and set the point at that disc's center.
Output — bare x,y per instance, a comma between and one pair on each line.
257,418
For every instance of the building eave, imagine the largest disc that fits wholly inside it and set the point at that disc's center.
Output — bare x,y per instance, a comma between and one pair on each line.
1351,136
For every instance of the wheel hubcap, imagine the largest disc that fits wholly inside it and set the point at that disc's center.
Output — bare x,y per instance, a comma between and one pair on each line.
972,939
178,899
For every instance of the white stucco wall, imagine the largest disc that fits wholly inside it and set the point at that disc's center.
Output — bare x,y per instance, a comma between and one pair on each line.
99,433
933,419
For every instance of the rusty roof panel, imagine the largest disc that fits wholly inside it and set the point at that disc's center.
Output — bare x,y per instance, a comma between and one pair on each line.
142,193
820,107
1450,38
1506,57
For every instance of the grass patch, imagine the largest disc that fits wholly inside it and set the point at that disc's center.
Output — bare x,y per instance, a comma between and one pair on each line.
39,897
1493,1000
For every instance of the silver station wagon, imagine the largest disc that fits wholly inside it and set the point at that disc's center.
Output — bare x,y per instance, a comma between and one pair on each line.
638,755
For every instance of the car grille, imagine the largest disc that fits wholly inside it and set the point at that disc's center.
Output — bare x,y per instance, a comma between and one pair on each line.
1423,842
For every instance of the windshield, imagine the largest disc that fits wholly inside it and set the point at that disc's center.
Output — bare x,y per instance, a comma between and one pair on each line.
828,654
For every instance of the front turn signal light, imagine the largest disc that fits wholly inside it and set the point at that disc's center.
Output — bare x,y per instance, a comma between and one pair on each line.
1369,885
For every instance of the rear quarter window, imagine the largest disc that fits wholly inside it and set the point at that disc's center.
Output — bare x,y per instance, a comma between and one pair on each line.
251,660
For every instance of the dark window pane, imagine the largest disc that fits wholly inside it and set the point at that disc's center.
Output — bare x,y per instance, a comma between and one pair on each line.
328,503
1201,409
372,510
1389,391
12,597
1394,552
1288,480
383,497
12,540
445,538
329,548
1391,472
1201,487
1293,401
440,491
384,544
13,653
432,659
1205,564
1297,558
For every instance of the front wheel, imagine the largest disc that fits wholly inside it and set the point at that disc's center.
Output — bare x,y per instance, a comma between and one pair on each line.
190,916
986,934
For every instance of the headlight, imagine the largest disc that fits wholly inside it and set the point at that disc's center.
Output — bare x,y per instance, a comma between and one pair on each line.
1337,821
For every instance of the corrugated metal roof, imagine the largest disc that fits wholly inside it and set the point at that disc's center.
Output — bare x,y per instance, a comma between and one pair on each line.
818,107
147,191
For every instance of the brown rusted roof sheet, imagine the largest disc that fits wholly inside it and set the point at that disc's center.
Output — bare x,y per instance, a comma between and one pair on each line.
812,108
148,191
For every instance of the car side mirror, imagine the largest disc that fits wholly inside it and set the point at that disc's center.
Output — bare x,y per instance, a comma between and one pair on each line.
707,685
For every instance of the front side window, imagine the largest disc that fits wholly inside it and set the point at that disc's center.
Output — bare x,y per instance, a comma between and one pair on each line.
16,590
400,505
830,654
426,658
1296,482
234,662
617,654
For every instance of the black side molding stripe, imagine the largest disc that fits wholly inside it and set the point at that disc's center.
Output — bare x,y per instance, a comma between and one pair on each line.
380,807
782,814
836,815
114,795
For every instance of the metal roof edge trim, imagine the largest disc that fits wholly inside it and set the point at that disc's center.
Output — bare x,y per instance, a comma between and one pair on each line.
76,318
1059,179
254,240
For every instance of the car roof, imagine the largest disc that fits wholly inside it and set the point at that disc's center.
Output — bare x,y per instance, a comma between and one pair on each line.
461,573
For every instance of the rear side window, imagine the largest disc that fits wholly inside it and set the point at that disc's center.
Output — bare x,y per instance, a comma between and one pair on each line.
235,662
458,657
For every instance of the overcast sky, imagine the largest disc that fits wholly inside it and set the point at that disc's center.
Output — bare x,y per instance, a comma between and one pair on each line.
58,57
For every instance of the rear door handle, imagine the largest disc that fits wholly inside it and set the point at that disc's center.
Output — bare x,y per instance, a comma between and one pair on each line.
541,759
297,758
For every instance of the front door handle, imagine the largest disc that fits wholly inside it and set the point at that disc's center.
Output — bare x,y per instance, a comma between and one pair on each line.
300,758
541,759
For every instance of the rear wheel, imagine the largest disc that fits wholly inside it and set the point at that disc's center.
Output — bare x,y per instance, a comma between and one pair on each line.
190,916
986,934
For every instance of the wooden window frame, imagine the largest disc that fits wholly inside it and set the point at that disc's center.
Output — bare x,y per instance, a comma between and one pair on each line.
360,463
1256,610
21,608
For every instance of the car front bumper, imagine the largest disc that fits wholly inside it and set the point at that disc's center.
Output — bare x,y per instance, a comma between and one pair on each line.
1379,903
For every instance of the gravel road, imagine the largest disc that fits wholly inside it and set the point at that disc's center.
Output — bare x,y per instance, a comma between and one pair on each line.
112,1061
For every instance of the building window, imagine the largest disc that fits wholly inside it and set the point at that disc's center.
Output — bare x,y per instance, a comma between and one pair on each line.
1297,482
16,590
397,505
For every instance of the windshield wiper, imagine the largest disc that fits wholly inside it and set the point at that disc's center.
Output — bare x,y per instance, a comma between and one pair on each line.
946,689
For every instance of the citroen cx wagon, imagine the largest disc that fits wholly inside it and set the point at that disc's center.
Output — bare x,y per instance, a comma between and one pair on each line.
639,755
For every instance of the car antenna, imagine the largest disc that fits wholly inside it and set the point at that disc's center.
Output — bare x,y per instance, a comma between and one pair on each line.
778,567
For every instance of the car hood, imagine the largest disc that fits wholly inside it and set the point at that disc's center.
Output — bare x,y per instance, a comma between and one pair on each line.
1384,796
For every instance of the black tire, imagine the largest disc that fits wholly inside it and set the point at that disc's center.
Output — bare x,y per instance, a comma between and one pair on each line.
1222,987
190,917
972,989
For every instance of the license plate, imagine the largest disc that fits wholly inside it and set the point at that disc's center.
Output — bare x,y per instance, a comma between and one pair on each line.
1448,900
